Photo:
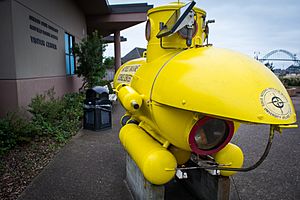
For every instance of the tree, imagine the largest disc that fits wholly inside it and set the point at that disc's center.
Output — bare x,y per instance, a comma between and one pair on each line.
90,60
270,66
109,62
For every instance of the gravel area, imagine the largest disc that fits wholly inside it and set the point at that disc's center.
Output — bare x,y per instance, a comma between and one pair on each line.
21,164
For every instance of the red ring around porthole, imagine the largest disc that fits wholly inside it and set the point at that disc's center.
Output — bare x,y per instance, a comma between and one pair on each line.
200,125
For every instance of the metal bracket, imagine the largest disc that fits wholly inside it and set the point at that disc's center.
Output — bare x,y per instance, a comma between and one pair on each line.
206,30
181,175
279,128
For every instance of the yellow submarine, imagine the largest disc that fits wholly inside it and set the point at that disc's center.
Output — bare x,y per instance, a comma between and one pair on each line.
185,98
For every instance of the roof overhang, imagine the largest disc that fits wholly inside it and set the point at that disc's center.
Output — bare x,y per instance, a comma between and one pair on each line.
111,39
94,7
109,19
114,22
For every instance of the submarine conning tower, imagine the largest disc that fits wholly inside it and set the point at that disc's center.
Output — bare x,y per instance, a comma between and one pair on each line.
162,16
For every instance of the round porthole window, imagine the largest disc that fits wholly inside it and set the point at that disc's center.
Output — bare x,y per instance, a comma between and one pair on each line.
148,30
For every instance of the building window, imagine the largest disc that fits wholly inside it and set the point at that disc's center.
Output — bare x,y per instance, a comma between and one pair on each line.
70,59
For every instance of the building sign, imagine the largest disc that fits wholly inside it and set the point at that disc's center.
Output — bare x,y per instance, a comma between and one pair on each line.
45,29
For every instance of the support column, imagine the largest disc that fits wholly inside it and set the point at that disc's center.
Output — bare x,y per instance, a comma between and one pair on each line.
117,45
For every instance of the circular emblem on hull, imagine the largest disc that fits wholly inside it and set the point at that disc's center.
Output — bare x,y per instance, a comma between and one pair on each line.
275,103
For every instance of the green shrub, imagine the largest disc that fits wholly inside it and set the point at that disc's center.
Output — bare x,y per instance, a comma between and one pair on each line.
53,117
45,110
7,138
14,129
290,81
57,117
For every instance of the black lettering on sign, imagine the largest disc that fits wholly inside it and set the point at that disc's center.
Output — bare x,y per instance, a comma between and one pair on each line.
44,24
34,19
51,45
54,37
34,28
52,28
41,42
46,33
42,29
37,41
39,30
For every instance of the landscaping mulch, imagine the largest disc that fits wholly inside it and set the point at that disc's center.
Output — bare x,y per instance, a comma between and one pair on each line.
20,165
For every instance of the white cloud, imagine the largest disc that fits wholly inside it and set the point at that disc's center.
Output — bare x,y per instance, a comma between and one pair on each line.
245,26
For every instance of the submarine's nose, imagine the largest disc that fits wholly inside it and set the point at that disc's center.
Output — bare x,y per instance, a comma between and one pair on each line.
223,83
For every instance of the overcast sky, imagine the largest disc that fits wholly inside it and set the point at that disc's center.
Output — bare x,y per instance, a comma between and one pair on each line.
245,26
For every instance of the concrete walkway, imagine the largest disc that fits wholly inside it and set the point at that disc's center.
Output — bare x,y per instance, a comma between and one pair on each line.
90,166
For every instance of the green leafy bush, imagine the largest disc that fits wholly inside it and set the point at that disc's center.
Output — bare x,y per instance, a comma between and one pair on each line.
290,81
53,117
14,129
58,117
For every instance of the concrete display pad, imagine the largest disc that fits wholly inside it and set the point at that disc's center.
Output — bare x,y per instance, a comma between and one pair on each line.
199,185
139,187
205,186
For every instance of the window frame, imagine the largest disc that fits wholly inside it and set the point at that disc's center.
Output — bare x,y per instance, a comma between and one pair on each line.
70,61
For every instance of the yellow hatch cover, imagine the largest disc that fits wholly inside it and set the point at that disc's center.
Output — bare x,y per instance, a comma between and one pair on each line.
223,83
